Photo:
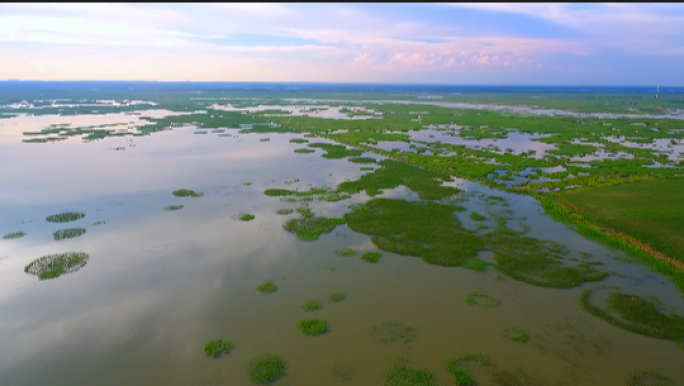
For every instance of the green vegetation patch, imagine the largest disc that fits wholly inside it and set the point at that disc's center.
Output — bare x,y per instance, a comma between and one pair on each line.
299,140
245,217
459,367
362,160
312,305
284,211
187,193
337,297
14,235
336,151
636,314
476,216
371,257
345,252
304,150
343,372
266,369
400,374
309,228
215,348
366,169
68,233
65,217
56,265
648,378
479,298
174,207
267,287
427,230
393,332
516,334
313,327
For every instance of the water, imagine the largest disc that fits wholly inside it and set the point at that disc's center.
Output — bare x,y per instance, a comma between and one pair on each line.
160,284
518,142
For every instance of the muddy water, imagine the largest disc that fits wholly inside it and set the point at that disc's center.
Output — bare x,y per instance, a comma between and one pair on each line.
160,284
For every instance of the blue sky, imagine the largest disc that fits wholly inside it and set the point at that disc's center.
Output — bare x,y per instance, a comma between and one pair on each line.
459,43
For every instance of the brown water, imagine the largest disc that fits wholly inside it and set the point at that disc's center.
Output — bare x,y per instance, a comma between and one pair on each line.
160,284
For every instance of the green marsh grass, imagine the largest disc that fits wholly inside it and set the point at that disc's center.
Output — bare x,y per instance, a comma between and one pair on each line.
101,222
266,369
362,160
648,378
245,217
65,217
304,150
336,151
247,183
311,305
174,207
337,297
400,374
310,228
14,235
345,252
371,257
366,169
284,211
215,348
459,367
393,332
56,265
299,140
477,217
479,298
267,287
516,334
68,233
313,327
187,193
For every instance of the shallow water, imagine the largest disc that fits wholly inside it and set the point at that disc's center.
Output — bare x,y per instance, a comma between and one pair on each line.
160,284
518,142
317,111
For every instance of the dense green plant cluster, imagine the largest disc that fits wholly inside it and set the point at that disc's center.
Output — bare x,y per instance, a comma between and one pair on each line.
54,266
14,235
266,369
309,228
187,193
337,297
312,305
299,140
245,217
284,211
400,374
362,160
65,217
476,216
215,348
68,233
336,151
371,257
313,327
516,334
267,287
459,367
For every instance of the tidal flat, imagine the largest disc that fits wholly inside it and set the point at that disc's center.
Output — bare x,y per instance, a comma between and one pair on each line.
158,286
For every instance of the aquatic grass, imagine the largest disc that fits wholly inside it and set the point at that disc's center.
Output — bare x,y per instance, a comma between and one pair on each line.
246,183
313,327
362,160
187,193
513,378
459,367
265,140
400,374
476,216
310,228
101,222
312,305
245,217
284,211
304,150
393,332
371,257
174,207
636,314
336,151
68,233
343,372
648,378
56,265
65,217
14,235
266,369
267,287
345,252
479,298
337,297
299,140
215,348
366,169
516,334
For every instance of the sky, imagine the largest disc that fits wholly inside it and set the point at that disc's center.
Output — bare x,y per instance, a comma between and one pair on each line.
438,43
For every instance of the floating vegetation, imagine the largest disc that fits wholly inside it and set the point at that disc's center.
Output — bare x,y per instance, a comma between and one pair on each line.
174,207
245,217
428,230
246,183
304,150
336,151
201,132
56,265
313,327
267,287
299,140
480,298
312,305
392,332
65,217
309,228
476,216
516,334
362,160
68,233
371,257
15,235
345,252
648,378
101,222
459,367
636,314
284,211
187,193
400,374
266,369
265,140
337,297
343,372
366,169
215,348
